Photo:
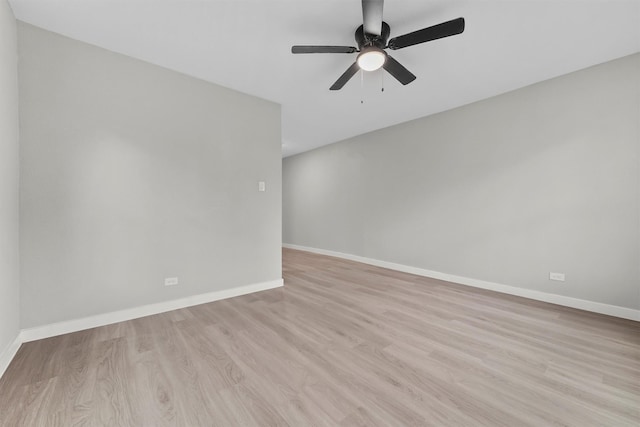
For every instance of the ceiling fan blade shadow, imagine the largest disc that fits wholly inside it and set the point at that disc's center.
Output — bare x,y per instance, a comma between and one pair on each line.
323,49
345,77
445,29
398,71
372,16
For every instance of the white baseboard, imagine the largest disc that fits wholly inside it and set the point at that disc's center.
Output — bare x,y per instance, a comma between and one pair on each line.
8,354
53,329
596,307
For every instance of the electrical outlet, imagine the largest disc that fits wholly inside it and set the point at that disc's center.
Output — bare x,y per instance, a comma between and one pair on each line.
559,277
262,186
170,281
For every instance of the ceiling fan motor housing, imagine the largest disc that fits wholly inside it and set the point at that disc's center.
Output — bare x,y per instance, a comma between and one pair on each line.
366,40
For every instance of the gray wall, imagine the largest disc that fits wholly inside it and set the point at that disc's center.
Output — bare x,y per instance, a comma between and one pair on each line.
132,173
545,178
9,175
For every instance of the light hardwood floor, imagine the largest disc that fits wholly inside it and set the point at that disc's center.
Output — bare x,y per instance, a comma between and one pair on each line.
342,344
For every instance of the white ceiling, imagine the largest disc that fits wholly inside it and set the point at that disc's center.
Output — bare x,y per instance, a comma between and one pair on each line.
245,45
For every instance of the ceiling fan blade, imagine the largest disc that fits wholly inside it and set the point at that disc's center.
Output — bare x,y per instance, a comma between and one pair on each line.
398,71
446,29
345,77
372,16
323,49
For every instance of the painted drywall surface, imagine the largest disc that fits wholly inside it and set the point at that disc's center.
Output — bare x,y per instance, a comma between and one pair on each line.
9,179
543,179
132,173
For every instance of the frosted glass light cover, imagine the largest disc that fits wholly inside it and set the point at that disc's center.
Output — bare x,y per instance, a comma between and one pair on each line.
371,60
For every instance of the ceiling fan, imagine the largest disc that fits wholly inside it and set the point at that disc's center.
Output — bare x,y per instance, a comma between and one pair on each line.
371,38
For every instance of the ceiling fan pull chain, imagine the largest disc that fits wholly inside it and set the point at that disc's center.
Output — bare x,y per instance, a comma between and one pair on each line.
382,78
361,87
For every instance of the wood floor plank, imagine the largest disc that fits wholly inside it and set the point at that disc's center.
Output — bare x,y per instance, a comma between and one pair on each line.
342,344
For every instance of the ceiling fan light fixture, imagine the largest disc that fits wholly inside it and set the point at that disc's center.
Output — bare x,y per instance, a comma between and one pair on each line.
371,59
372,38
